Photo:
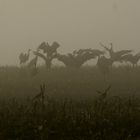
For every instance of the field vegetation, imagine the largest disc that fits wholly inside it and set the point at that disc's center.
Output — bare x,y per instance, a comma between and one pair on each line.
69,104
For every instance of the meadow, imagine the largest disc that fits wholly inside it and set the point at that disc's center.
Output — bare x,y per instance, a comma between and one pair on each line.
76,104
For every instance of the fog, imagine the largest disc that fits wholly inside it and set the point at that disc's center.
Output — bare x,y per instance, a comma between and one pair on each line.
74,24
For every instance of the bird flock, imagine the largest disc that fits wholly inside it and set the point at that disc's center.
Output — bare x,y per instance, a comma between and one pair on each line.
77,58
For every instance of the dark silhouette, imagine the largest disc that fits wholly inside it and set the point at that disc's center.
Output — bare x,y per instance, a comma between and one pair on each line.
77,58
104,64
24,57
133,59
116,56
33,62
49,52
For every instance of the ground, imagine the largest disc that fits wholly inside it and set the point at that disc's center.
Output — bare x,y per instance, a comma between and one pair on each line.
75,106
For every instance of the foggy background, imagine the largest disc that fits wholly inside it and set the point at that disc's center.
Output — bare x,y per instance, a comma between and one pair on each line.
74,24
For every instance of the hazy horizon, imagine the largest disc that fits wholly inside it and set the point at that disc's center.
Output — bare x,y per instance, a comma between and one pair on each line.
74,24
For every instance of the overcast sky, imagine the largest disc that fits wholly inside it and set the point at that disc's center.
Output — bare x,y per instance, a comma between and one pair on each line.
73,23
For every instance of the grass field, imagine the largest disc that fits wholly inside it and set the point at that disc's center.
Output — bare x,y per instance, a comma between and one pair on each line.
61,82
73,108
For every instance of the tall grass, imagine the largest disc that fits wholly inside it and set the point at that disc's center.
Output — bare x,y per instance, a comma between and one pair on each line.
74,104
68,83
99,119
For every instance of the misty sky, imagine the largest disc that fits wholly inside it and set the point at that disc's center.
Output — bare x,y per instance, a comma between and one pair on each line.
73,23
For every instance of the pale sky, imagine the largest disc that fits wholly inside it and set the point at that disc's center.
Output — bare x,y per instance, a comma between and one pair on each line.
74,24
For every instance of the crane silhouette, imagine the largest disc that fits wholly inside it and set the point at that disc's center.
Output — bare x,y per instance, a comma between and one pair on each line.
33,62
116,56
49,49
133,59
49,52
104,64
33,65
24,57
78,57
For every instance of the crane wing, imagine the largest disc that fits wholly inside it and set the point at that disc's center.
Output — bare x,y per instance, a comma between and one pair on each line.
43,46
40,55
55,45
97,52
127,57
123,52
